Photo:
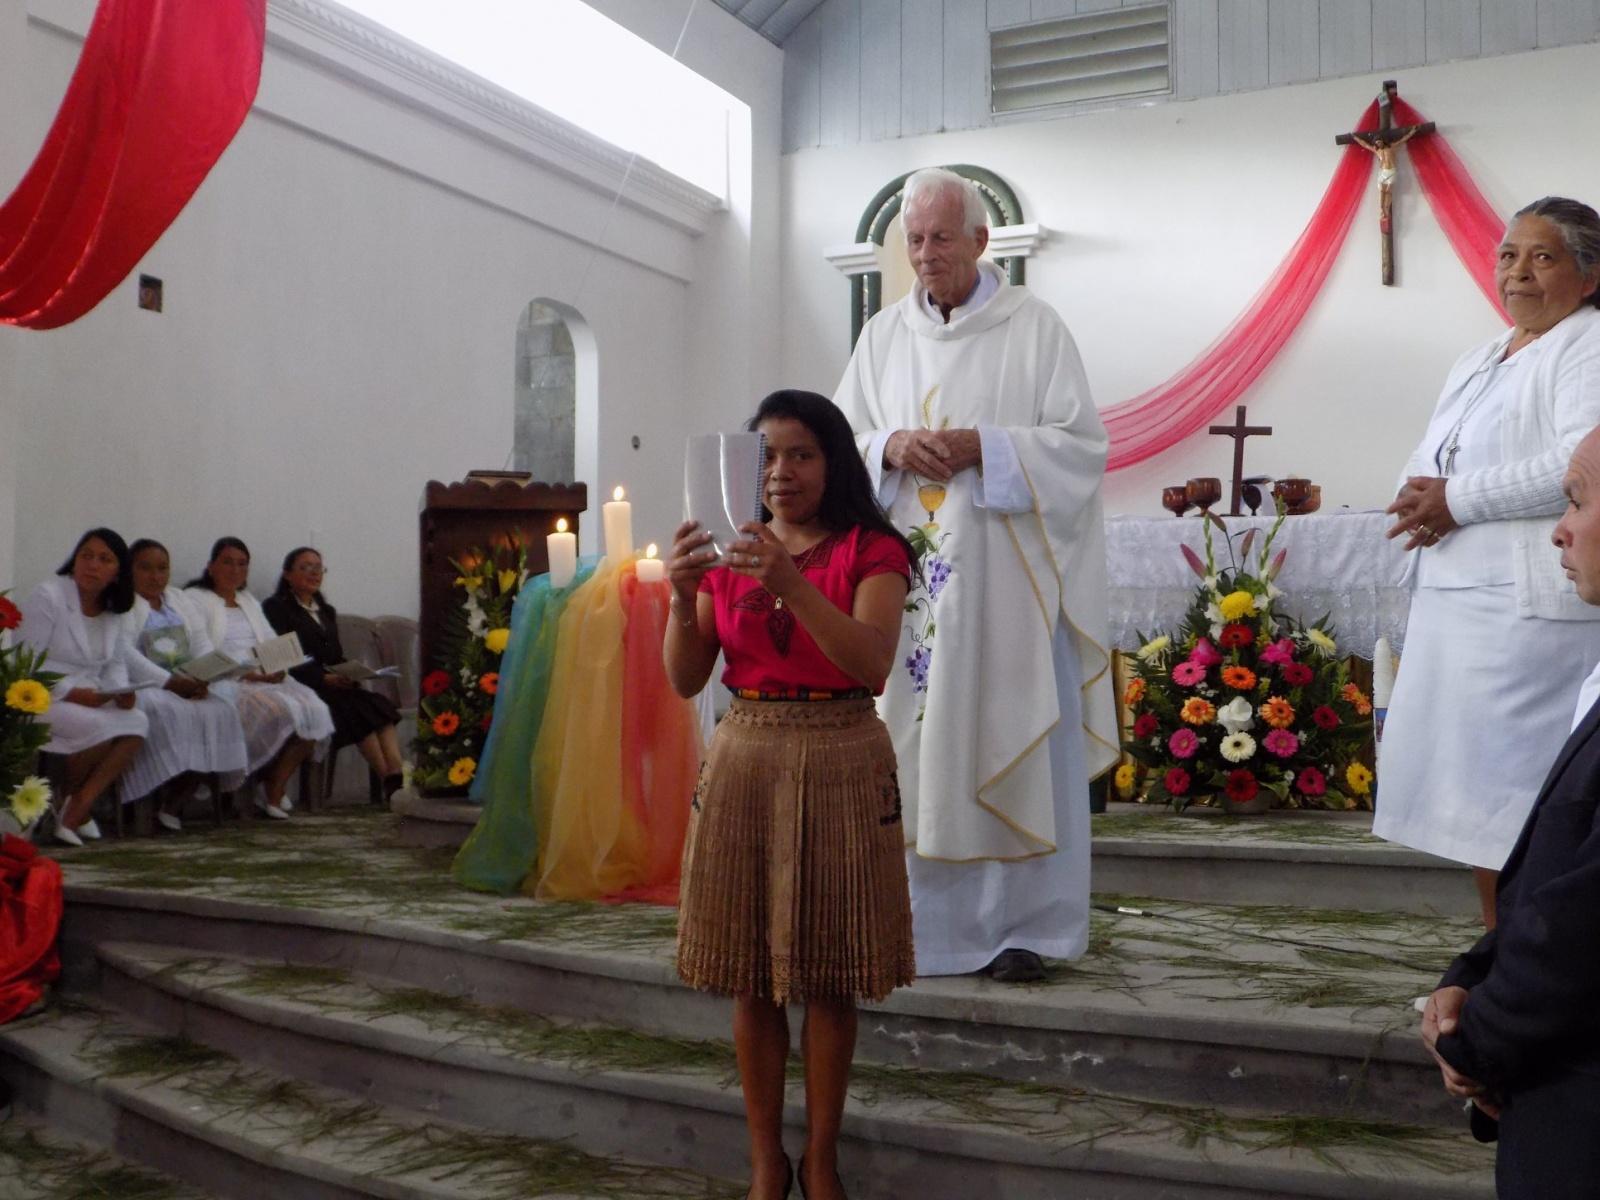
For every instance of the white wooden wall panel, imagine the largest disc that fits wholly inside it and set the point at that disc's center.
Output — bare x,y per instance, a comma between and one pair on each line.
1345,37
1194,48
1241,45
1399,34
1046,10
1009,12
839,24
802,84
1563,22
1453,29
880,69
1292,40
966,64
921,66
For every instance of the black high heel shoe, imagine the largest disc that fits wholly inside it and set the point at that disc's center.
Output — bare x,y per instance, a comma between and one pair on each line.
788,1181
800,1175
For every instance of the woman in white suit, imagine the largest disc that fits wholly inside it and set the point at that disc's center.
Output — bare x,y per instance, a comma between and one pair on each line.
81,621
283,720
204,733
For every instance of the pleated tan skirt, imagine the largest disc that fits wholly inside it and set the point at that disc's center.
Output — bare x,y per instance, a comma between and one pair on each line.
794,876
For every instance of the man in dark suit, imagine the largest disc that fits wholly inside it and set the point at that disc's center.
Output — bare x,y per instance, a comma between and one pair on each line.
1515,1022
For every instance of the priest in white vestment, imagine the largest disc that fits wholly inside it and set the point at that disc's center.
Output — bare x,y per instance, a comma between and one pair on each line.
974,416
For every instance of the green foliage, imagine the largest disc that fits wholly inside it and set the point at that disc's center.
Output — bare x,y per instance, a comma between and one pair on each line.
457,703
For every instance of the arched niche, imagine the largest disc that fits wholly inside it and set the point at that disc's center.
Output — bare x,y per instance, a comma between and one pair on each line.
555,433
880,225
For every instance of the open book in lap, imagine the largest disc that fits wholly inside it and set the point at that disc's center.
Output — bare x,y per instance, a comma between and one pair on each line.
360,672
282,653
208,668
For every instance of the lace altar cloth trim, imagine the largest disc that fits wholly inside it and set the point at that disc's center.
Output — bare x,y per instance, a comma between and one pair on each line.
1339,563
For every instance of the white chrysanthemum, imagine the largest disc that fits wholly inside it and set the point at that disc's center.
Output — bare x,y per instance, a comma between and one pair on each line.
1236,715
1237,747
1324,644
1154,647
29,799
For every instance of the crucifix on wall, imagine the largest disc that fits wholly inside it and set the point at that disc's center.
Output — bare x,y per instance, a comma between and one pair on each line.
1382,143
1238,431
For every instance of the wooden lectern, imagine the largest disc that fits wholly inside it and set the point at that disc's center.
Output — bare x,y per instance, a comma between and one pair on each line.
488,510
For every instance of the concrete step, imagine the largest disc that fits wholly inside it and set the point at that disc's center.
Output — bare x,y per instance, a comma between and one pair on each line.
909,1131
1287,857
1186,1003
38,1163
247,1131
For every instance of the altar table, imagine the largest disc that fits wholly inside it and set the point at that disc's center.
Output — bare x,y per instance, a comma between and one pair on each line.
1339,563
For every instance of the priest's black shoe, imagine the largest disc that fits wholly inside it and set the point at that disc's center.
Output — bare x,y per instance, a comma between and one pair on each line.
1016,966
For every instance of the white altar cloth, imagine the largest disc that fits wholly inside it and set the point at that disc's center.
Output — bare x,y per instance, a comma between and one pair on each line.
1339,563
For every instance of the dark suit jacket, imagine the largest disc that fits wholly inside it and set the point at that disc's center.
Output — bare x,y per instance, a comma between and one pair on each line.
318,638
1531,1026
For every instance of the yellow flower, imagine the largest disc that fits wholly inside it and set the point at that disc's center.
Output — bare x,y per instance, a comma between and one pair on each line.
29,696
462,770
29,799
1236,604
508,580
1197,711
1124,778
1359,778
496,640
471,582
1154,647
1325,645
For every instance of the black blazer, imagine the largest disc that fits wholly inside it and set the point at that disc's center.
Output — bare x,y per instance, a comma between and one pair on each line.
319,635
1531,1026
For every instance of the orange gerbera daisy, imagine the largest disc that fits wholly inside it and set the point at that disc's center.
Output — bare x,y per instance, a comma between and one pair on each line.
1197,711
1278,712
1354,696
446,723
1134,692
1241,678
490,683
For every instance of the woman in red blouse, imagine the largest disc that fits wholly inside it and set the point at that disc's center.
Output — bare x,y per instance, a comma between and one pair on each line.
794,878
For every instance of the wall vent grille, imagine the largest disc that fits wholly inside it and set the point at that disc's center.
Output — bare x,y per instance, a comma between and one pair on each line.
1110,55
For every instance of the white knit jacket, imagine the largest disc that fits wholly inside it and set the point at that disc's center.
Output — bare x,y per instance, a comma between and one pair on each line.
1557,403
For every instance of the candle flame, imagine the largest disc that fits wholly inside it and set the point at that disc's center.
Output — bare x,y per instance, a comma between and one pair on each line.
617,495
561,524
650,550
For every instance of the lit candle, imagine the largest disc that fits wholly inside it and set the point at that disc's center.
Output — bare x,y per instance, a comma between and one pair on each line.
617,514
651,569
562,549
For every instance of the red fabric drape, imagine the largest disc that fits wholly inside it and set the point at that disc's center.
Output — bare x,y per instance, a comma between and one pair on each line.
1160,418
160,90
30,916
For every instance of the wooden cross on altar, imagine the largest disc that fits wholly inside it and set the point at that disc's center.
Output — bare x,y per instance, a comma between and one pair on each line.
1382,142
1238,431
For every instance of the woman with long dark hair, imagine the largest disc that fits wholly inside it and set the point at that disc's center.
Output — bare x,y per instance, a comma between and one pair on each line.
794,880
80,620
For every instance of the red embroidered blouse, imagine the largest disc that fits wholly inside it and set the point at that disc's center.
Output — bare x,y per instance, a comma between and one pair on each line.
765,647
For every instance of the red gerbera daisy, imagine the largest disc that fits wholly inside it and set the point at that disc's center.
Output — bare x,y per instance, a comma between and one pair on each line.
1146,725
1325,717
1241,786
1177,781
1297,674
1236,636
436,683
10,614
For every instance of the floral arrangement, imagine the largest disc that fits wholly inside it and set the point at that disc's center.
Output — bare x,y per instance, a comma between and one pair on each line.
25,690
1243,700
457,702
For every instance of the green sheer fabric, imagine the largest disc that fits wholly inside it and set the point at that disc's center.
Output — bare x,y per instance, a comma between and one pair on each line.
503,847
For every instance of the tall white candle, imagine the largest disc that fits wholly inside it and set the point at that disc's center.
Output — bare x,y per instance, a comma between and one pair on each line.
651,569
1382,673
617,514
561,548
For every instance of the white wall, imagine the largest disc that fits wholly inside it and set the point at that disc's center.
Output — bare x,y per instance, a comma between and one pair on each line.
342,298
1170,218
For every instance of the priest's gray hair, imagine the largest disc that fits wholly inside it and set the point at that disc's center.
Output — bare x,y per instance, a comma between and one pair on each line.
1580,230
931,181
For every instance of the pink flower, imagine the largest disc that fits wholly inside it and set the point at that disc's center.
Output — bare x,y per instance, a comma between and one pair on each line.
1281,742
1280,652
1205,653
1183,743
1177,781
1297,674
1311,781
1187,674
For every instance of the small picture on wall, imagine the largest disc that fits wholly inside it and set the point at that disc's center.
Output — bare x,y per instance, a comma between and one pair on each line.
150,293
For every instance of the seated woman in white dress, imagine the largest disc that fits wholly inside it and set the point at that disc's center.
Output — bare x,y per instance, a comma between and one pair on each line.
201,732
80,621
283,720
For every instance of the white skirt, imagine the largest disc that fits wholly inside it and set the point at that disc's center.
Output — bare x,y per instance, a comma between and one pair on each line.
76,727
272,713
1481,707
185,735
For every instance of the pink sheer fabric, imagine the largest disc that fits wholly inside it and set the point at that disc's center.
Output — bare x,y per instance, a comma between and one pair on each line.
160,90
1160,418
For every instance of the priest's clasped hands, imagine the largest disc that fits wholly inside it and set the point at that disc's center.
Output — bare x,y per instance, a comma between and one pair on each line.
1443,1015
1421,512
935,454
